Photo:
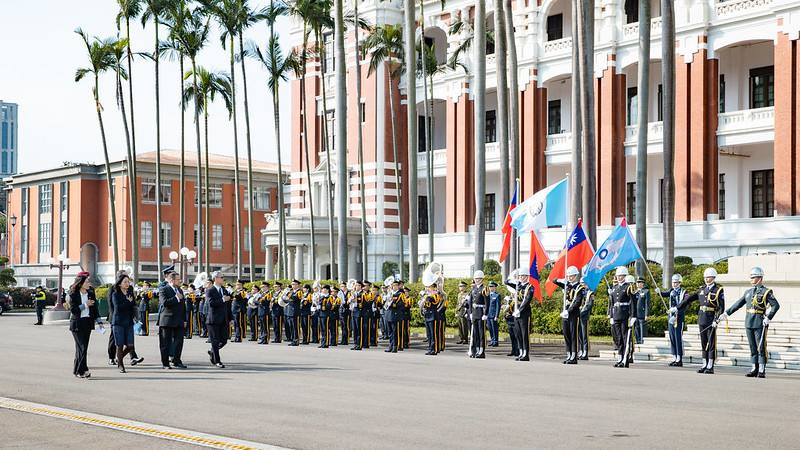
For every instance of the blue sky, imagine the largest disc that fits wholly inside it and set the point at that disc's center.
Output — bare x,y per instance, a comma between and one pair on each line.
39,53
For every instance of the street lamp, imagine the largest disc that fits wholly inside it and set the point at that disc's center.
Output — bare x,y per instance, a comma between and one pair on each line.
184,256
60,262
13,221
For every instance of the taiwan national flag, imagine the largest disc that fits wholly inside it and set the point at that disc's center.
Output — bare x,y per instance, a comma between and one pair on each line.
618,250
538,259
507,230
576,252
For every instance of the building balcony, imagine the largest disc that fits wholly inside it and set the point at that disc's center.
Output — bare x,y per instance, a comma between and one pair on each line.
630,32
558,48
655,136
737,8
747,126
559,148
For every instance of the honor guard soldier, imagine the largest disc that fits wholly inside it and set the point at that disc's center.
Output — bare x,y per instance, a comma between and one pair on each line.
344,313
394,315
333,330
461,314
493,313
263,313
292,311
711,298
574,297
276,310
39,299
758,299
477,306
642,309
252,312
676,319
583,322
366,315
144,308
507,311
429,304
306,300
239,310
621,307
522,313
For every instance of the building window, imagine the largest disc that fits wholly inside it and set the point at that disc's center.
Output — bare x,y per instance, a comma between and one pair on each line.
147,234
216,236
490,42
44,238
113,189
23,243
62,236
762,87
421,135
5,162
491,126
488,213
24,207
63,224
214,196
630,205
631,11
166,234
64,189
110,234
555,27
761,199
329,60
196,241
721,93
45,198
362,107
660,102
149,191
554,117
721,200
422,209
633,104
330,117
261,198
246,238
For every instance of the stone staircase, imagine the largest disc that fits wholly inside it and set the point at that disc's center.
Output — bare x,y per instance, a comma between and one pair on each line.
783,345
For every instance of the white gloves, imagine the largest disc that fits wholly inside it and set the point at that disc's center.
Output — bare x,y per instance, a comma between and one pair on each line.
609,292
672,319
724,316
612,321
631,321
673,310
484,317
658,291
714,324
516,314
564,314
765,321
313,309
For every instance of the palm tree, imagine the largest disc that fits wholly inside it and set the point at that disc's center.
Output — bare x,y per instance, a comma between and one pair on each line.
479,60
203,90
342,184
361,190
411,140
227,14
642,120
278,67
586,53
101,59
385,45
502,106
668,115
155,9
513,109
192,37
576,181
130,9
429,66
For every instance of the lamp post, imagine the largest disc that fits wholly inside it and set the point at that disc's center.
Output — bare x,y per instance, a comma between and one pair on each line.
184,257
13,221
61,263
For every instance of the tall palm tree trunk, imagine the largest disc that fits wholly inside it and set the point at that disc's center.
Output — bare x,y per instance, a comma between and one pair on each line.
427,130
502,108
328,176
281,210
131,192
158,155
342,184
199,181
206,196
479,90
513,122
112,203
641,144
364,273
309,196
395,155
182,176
586,53
668,115
132,177
250,227
576,200
237,183
409,29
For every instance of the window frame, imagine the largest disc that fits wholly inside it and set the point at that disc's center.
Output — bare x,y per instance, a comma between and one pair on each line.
146,234
767,197
489,212
554,116
768,87
556,28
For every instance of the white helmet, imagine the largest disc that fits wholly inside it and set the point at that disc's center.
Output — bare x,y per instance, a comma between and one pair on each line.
477,275
630,279
622,270
677,278
572,270
756,272
523,272
710,272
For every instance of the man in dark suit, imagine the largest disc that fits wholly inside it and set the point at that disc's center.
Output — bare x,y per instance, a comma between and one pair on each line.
171,319
217,299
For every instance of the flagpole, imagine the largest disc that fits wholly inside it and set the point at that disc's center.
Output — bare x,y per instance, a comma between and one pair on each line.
646,266
518,250
566,255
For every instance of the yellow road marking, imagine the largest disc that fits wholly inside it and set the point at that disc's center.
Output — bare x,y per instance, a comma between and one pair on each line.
157,431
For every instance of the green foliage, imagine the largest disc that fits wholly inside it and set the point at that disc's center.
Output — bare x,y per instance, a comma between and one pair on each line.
7,277
23,297
491,267
683,260
389,268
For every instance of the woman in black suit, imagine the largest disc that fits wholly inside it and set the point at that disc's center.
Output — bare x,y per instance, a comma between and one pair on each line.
122,319
83,315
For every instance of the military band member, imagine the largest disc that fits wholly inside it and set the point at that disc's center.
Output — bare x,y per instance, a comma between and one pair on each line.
758,299
336,301
494,312
406,316
394,315
315,291
344,313
276,310
326,316
507,310
575,295
621,308
145,295
366,314
385,295
711,298
292,312
263,313
522,313
356,304
477,305
306,299
583,323
461,314
239,310
441,318
430,304
676,319
642,309
252,312
191,311
377,307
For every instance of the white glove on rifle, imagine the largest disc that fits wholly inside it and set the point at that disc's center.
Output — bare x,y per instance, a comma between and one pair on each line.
609,292
724,316
631,321
673,310
658,291
714,324
765,321
484,317
516,314
564,314
672,319
612,321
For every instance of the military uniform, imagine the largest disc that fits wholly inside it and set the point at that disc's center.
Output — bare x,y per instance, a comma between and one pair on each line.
356,300
575,297
522,322
239,310
276,311
292,311
144,312
252,315
430,304
263,317
377,318
675,323
508,313
407,319
621,308
366,319
327,319
642,312
491,322
191,315
477,306
712,303
757,299
463,320
441,316
344,317
305,316
315,318
583,324
394,316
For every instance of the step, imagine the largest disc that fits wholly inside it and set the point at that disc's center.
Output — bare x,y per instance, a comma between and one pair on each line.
742,354
773,328
722,336
696,359
735,346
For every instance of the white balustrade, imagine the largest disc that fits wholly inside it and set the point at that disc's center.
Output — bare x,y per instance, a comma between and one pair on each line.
733,8
746,120
558,47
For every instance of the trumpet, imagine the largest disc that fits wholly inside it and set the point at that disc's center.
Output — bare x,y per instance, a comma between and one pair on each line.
254,300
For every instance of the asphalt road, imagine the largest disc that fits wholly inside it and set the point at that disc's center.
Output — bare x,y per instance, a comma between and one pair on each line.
307,397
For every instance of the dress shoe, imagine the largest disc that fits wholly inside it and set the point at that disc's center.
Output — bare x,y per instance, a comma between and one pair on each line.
166,367
220,365
709,371
428,353
524,358
584,358
511,354
762,375
572,361
112,362
672,364
481,356
85,375
211,356
136,361
751,374
388,350
122,370
179,365
679,364
618,364
702,370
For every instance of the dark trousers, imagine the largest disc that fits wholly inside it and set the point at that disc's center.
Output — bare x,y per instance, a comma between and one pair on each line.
522,326
202,328
305,328
189,330
676,337
569,327
391,326
144,319
366,331
239,325
583,335
440,326
757,339
358,332
252,322
345,323
477,344
287,327
708,342
373,331
512,335
430,333
323,331
218,335
263,329
406,332
463,329
623,333
81,337
384,328
315,328
170,342
277,324
39,311
494,331
291,334
333,331
641,330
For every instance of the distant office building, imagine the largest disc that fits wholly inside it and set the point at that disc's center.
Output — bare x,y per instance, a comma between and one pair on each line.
8,138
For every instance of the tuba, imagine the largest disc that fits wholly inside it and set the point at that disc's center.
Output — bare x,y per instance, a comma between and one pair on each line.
433,274
200,280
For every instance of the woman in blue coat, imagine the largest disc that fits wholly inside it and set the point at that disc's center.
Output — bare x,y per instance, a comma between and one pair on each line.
123,319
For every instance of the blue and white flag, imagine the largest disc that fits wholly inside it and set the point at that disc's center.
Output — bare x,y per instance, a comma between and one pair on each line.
546,208
618,250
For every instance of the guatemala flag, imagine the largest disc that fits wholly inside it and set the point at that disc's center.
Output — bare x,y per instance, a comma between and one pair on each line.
546,208
618,250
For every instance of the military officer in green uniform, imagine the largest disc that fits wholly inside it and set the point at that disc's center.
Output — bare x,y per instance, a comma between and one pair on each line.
758,298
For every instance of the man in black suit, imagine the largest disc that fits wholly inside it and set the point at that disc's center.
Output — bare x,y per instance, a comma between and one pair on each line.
171,319
217,299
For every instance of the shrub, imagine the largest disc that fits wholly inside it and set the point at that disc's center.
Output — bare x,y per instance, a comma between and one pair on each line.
491,267
683,260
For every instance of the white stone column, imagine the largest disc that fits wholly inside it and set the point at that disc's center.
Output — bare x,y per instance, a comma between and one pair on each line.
298,263
351,261
269,269
290,263
310,264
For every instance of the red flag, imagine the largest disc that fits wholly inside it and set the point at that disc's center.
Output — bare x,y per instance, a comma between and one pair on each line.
507,231
577,252
538,259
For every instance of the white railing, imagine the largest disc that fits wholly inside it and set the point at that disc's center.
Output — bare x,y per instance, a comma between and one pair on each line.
558,47
631,31
439,159
655,133
491,60
737,7
559,142
746,120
